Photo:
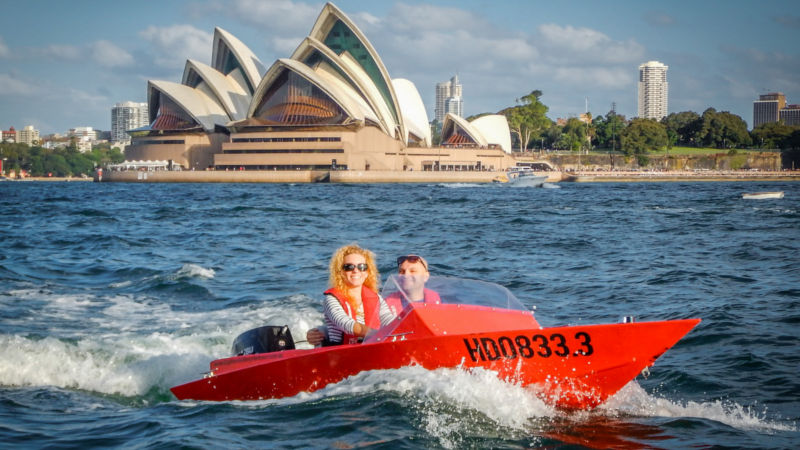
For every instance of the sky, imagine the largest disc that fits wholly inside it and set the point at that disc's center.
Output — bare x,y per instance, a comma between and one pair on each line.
64,64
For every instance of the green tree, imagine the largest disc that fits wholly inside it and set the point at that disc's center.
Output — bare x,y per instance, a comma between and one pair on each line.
682,127
642,136
573,135
772,135
607,130
723,130
528,119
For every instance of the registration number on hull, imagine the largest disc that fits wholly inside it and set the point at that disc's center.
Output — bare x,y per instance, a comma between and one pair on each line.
537,345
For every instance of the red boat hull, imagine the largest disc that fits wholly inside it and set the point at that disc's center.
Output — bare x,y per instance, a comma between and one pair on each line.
573,367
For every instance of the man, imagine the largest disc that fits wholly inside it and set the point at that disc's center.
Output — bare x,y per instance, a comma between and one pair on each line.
412,273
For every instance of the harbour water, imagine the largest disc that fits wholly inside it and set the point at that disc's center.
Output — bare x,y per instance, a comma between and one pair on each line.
110,293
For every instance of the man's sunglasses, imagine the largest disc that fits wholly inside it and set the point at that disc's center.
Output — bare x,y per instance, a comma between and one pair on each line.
351,267
412,259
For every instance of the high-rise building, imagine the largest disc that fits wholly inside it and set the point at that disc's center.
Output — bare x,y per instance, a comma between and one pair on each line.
127,116
768,108
448,99
28,135
653,90
790,115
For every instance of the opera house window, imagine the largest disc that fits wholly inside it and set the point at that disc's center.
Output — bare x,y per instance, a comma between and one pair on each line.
293,100
170,116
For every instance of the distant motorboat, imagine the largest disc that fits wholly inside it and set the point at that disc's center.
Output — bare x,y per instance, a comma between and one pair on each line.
762,195
525,178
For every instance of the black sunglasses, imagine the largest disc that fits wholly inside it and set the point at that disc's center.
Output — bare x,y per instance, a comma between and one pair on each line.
412,259
351,267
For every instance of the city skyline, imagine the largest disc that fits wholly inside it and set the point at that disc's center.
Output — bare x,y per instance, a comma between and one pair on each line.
56,76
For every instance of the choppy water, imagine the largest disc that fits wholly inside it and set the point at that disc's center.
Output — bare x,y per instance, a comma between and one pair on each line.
112,293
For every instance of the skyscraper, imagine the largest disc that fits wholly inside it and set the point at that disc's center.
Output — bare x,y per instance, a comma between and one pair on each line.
127,116
448,99
768,108
653,90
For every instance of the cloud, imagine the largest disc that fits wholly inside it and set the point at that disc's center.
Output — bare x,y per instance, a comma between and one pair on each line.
762,70
659,19
173,45
12,85
61,52
108,54
4,52
585,45
788,20
276,17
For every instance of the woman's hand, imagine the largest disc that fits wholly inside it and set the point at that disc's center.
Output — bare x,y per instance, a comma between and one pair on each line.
361,330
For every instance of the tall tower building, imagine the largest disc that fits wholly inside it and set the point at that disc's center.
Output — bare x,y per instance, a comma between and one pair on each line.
448,99
768,108
653,90
127,116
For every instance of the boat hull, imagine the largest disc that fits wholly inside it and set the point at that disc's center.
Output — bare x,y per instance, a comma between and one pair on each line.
572,367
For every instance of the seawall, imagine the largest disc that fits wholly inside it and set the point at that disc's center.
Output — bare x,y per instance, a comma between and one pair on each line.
307,176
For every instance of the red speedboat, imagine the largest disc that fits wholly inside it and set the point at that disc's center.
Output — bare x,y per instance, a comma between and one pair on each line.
472,324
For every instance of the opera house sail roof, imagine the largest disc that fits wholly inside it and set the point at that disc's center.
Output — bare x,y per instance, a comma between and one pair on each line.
332,96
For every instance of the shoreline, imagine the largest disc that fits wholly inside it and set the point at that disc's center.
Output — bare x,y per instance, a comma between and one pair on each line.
357,176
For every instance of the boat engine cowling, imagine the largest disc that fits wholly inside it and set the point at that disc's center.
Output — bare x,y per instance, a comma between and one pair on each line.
264,339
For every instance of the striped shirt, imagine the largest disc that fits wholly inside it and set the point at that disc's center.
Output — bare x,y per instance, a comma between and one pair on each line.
339,322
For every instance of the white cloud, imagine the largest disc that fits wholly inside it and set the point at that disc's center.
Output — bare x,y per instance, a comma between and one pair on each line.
286,46
108,54
10,85
86,99
173,45
275,17
62,52
582,45
4,52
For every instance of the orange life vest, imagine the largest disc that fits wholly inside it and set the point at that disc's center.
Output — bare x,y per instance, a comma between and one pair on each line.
396,301
371,303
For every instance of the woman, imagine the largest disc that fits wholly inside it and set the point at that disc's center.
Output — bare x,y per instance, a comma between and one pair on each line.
352,306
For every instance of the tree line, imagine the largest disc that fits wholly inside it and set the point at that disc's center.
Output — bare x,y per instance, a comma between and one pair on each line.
531,129
59,162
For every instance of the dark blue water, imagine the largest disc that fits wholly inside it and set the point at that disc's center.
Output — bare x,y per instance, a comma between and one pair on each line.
112,293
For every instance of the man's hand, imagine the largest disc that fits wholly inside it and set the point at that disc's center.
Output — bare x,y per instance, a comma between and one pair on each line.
315,337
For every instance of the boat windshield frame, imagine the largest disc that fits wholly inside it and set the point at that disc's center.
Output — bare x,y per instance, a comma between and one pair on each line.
449,290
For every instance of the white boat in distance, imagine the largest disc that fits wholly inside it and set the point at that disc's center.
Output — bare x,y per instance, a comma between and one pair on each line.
525,178
762,195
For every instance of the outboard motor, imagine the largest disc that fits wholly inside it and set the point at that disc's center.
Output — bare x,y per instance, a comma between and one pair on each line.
264,339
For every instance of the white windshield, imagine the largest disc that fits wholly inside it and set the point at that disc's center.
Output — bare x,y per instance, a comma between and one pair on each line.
436,289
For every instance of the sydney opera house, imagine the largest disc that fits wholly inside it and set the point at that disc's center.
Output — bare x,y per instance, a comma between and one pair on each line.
331,105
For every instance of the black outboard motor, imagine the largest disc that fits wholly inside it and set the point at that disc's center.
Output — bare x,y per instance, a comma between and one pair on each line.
265,339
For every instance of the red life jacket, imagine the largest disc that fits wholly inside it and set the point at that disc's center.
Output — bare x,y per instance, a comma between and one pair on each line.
396,301
371,303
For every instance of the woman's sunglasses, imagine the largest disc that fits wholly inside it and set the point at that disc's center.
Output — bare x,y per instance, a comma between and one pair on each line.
351,267
412,259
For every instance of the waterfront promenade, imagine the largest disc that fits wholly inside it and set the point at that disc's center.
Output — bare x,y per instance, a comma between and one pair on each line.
361,176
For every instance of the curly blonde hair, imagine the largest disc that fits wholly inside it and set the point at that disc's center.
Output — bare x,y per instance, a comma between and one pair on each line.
337,279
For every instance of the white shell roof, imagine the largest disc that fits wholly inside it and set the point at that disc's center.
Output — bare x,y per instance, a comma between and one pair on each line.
228,91
413,110
356,77
351,106
494,128
326,20
252,66
205,109
452,120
